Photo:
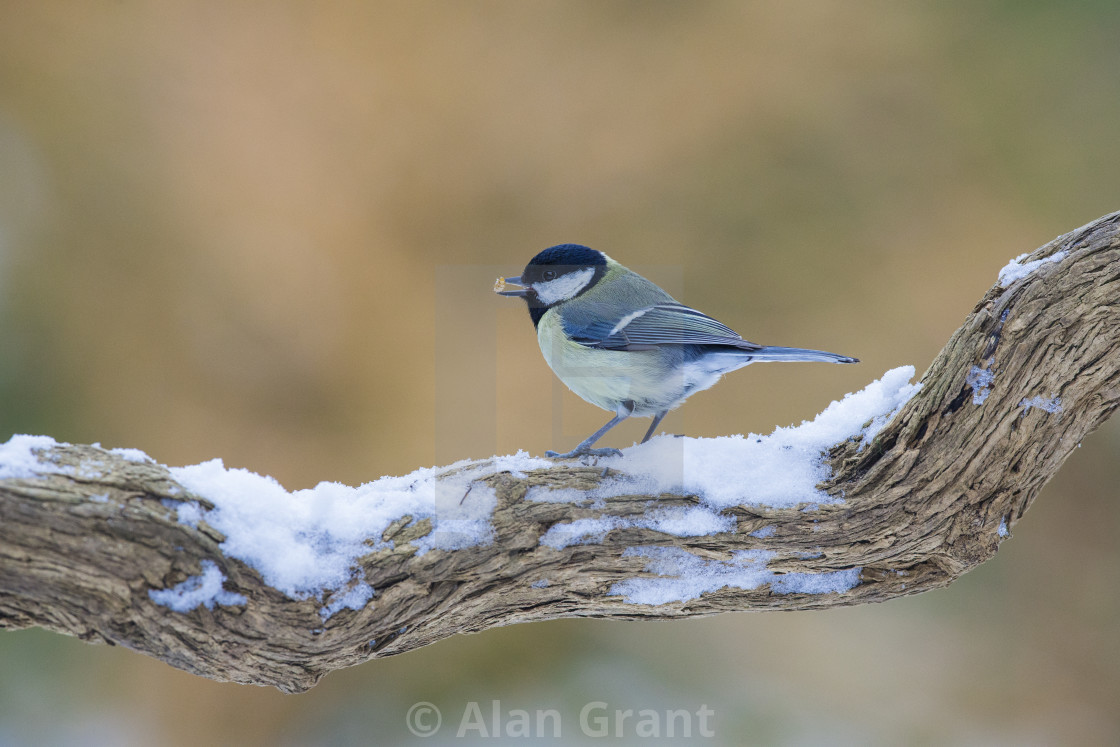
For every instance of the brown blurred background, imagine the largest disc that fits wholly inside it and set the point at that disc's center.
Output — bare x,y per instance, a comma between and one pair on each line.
266,231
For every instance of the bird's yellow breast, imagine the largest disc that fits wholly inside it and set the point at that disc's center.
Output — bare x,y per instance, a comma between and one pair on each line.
606,378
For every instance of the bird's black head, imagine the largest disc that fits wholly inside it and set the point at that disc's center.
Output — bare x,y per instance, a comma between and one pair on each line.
558,274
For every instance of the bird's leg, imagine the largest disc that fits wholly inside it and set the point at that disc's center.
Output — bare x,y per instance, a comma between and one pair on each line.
584,449
654,424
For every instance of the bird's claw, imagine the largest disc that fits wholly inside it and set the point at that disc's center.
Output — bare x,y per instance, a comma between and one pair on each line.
577,452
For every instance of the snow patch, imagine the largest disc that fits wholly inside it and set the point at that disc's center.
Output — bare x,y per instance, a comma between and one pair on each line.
683,576
1048,404
1013,270
980,380
205,589
18,457
692,521
782,469
133,455
306,542
354,598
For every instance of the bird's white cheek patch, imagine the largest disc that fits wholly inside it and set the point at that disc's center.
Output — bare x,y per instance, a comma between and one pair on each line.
564,287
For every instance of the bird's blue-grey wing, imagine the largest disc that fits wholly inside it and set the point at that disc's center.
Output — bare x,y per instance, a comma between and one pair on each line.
660,324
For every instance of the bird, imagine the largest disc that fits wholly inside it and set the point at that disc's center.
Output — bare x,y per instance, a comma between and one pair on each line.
622,343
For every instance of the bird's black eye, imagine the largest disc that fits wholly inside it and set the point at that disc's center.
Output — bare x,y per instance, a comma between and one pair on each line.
549,274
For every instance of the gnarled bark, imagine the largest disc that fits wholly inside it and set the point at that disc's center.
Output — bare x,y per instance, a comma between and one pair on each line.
1033,370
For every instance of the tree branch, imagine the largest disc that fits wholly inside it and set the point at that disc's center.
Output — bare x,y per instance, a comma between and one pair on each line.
89,534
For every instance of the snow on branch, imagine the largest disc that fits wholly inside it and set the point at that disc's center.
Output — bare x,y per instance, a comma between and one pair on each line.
894,490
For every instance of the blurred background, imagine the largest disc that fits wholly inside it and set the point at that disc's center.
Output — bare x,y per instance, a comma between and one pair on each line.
267,232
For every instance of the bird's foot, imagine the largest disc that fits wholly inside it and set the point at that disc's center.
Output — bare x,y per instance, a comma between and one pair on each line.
578,452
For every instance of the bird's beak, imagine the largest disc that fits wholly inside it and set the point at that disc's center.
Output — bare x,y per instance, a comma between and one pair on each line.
500,287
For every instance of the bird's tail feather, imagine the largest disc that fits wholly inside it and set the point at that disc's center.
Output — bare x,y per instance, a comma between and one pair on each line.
773,353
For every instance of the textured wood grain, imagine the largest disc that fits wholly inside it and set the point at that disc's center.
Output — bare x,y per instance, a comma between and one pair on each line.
921,504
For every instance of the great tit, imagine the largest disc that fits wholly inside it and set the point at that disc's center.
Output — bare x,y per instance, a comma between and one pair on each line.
625,345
